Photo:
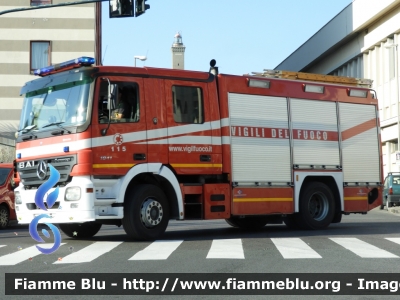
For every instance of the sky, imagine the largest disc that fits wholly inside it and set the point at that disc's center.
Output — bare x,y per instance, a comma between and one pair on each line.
242,36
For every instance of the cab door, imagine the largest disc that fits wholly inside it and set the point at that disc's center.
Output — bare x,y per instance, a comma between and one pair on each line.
123,144
190,149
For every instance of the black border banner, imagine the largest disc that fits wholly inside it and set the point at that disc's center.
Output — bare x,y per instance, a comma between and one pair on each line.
202,284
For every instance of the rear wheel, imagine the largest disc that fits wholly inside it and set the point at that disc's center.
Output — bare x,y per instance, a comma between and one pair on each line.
253,222
146,212
4,216
317,206
291,222
80,231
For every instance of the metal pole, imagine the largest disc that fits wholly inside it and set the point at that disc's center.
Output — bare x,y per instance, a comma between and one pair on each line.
396,77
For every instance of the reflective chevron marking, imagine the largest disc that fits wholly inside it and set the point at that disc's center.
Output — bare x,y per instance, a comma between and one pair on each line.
22,255
158,250
226,248
362,248
88,253
292,248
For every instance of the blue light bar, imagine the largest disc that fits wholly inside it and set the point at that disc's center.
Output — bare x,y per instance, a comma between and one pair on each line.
81,61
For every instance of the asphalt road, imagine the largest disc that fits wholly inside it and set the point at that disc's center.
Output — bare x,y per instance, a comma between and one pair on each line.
360,244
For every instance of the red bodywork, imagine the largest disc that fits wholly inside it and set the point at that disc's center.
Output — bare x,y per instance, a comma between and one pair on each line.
7,197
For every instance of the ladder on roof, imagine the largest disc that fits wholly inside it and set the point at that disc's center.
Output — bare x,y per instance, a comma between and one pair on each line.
315,77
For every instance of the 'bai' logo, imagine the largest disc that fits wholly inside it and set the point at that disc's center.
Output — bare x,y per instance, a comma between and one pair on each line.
39,200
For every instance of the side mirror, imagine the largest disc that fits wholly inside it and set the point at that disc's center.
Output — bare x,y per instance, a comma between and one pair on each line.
13,184
104,130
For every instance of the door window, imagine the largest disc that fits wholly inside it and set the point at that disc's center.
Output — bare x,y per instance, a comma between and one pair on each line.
124,102
187,104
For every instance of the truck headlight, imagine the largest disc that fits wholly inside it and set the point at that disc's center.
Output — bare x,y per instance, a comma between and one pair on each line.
73,193
18,199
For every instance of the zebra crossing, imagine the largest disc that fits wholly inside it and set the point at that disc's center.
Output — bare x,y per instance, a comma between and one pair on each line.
288,248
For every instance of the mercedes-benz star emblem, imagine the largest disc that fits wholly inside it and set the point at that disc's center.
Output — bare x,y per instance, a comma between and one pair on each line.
41,170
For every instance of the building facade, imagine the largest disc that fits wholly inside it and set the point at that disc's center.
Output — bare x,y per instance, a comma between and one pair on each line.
32,39
361,41
178,53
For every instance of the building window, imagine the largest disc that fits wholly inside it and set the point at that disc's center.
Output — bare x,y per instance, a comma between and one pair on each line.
40,2
392,60
187,104
40,55
393,146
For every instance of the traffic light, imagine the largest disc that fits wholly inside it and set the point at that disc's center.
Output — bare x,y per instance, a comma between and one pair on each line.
141,7
121,8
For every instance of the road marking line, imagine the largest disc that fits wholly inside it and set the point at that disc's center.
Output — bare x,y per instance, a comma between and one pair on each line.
2,246
158,250
226,248
294,248
22,255
362,248
394,240
88,253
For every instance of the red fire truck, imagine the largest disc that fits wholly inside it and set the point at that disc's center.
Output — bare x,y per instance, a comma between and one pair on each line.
139,146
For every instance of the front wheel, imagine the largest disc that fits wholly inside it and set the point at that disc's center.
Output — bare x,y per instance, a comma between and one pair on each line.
4,216
317,206
146,212
80,231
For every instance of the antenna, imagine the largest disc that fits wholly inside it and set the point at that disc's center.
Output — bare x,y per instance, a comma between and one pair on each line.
104,56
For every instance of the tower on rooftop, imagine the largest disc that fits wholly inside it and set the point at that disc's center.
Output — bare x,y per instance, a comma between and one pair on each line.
178,53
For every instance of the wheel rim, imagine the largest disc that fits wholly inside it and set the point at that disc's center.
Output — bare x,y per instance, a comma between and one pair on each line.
3,217
318,206
151,213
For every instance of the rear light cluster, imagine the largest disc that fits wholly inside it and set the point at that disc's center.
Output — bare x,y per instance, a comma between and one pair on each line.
391,191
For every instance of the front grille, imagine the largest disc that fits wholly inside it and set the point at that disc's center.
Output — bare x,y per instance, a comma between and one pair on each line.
28,170
33,206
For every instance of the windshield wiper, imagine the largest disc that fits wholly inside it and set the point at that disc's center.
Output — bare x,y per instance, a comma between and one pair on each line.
57,124
52,123
27,130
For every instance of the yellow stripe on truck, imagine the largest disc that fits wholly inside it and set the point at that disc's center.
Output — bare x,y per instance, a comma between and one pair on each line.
261,199
99,166
197,165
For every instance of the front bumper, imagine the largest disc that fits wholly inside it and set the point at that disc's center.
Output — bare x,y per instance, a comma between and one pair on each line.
78,211
393,198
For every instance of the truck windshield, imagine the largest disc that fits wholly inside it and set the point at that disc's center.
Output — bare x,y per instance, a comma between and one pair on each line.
64,104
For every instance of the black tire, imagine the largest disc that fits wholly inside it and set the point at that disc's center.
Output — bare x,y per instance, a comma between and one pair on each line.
252,222
146,213
317,206
291,222
4,216
80,231
337,218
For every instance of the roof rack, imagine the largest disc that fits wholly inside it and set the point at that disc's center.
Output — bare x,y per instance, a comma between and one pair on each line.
314,77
